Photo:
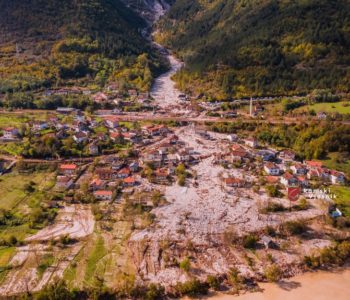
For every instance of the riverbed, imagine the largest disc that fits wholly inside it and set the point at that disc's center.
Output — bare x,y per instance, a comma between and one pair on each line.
319,285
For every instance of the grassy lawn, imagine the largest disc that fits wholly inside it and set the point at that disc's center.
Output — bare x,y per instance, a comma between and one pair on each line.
337,107
332,163
342,198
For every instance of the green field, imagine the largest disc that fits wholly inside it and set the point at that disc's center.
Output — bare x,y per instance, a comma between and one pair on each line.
342,194
12,187
17,119
337,107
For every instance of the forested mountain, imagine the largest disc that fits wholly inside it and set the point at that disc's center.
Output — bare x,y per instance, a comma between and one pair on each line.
48,42
261,47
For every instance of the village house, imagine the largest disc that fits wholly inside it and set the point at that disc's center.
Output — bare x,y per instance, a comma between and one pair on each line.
318,174
337,177
322,115
64,182
80,137
93,149
38,126
65,110
313,164
173,139
234,182
124,173
184,155
97,184
104,173
266,155
153,157
155,130
272,179
303,181
238,155
103,195
161,175
129,181
10,133
134,166
68,169
287,155
112,122
232,138
272,169
100,97
132,93
298,169
251,142
288,179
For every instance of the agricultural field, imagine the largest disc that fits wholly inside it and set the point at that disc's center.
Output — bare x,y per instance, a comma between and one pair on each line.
14,188
17,119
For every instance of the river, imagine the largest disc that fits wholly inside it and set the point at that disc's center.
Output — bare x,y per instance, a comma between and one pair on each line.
319,285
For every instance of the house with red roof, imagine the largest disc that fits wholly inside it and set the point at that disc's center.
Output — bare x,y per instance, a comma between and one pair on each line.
234,182
313,164
298,169
103,195
289,180
68,169
272,169
129,181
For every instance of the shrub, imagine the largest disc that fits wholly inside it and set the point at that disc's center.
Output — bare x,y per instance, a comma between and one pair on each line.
213,282
154,292
250,241
272,273
234,278
192,288
295,227
272,207
269,230
273,191
185,265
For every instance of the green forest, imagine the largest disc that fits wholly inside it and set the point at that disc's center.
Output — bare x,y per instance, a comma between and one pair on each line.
238,48
55,43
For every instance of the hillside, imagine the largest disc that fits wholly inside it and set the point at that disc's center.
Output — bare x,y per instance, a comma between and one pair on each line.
235,48
45,43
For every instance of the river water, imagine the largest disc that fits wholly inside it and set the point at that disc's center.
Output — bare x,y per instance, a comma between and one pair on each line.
319,285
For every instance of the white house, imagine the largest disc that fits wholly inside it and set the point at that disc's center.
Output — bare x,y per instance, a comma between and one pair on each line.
103,195
272,169
251,142
337,177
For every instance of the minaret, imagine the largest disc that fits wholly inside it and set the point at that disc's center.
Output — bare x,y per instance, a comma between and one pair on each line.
251,107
